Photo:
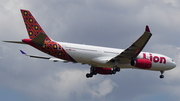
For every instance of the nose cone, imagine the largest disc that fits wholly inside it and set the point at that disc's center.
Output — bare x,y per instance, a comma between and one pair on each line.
173,65
170,64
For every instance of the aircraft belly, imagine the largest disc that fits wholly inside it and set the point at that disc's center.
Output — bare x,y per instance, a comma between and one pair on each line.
81,56
94,59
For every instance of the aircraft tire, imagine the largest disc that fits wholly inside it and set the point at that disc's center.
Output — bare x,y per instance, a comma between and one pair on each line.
113,71
88,75
118,69
161,76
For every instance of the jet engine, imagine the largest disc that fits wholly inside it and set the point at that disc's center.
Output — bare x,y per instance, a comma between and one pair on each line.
102,70
141,63
99,70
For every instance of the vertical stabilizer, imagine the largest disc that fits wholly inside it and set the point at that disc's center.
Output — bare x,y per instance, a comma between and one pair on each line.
32,26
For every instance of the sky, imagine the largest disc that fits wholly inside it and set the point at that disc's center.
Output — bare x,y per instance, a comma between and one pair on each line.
108,23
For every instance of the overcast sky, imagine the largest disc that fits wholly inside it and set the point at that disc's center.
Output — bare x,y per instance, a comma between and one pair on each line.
109,23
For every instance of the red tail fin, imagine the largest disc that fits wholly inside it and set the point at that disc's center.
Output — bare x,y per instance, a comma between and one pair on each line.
32,26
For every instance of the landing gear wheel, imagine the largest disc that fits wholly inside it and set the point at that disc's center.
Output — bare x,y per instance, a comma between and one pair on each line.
88,75
92,72
161,76
113,71
118,69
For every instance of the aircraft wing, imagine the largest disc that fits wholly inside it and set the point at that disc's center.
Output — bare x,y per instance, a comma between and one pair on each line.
41,57
133,51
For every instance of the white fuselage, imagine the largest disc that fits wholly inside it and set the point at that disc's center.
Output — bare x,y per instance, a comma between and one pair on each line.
98,56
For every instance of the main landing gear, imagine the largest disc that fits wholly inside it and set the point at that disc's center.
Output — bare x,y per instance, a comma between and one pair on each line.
115,69
92,72
161,76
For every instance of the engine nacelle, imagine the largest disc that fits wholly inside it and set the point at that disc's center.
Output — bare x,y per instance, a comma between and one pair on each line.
102,70
141,63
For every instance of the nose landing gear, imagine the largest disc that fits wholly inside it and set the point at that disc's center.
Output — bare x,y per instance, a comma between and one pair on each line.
161,76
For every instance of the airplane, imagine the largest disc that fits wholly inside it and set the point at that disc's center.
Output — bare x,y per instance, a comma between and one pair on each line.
103,60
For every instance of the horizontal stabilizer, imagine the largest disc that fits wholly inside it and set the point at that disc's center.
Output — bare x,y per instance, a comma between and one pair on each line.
18,42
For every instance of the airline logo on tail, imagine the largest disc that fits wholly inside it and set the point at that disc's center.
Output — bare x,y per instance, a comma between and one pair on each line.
32,26
40,40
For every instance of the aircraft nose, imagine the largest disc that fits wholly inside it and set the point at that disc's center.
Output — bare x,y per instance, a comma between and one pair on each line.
173,65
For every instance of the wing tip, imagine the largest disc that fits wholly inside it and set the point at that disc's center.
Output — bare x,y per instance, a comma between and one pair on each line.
147,28
22,52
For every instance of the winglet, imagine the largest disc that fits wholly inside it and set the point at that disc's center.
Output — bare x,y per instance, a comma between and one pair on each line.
22,52
147,29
